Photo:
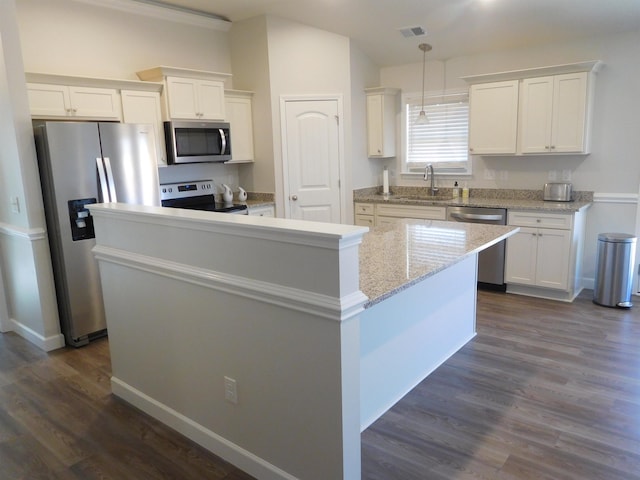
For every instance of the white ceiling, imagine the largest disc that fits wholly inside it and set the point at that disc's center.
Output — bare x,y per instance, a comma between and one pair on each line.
454,27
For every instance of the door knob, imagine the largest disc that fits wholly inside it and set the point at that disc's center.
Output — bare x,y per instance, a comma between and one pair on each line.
294,197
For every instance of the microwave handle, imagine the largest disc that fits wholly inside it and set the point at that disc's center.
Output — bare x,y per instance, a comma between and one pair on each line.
223,137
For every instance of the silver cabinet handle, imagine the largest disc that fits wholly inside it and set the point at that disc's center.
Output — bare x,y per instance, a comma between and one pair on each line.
294,197
476,216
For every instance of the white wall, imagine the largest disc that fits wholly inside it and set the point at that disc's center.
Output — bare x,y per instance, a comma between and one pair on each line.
73,38
612,167
251,71
365,172
305,61
24,253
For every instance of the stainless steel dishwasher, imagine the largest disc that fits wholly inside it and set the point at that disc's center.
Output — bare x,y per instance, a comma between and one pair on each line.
491,260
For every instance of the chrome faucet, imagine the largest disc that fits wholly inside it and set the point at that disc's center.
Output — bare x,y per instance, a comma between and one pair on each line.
428,173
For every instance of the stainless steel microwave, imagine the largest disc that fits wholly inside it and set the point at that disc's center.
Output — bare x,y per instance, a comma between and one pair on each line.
197,142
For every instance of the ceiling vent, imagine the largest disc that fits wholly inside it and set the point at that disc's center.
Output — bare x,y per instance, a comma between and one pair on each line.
408,32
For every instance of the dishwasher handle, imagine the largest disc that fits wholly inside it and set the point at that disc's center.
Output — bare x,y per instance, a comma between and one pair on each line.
477,216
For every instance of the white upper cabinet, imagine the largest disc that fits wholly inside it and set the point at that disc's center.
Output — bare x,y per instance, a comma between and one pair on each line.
554,114
535,111
493,118
189,94
144,107
381,122
193,99
240,117
64,101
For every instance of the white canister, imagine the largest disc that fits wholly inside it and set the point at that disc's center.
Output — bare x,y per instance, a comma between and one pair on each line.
227,194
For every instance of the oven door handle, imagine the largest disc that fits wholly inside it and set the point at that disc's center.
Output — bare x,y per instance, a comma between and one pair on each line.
476,216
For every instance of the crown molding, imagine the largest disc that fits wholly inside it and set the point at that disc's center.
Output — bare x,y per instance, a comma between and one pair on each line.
153,9
592,66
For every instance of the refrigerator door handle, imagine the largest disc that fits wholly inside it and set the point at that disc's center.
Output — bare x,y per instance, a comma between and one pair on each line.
103,180
110,180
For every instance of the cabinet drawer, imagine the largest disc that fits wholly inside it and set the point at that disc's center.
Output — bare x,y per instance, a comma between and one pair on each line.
542,220
364,209
364,220
412,211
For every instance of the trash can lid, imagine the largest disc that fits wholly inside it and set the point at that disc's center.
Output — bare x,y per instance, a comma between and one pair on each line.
617,237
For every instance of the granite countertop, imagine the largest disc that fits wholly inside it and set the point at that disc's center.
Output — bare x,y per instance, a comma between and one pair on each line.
510,199
253,203
394,257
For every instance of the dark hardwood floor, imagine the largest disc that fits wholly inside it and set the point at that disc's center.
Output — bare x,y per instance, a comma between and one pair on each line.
546,390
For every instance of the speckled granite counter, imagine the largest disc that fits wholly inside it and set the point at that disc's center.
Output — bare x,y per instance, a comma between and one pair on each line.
394,257
510,199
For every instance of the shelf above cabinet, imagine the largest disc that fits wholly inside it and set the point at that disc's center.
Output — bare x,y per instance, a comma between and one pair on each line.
586,66
157,74
75,81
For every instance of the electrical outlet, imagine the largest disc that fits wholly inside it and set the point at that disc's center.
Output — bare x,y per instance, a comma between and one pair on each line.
503,175
553,175
566,175
230,390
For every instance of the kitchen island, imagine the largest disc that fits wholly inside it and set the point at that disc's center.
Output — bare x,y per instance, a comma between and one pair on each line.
273,342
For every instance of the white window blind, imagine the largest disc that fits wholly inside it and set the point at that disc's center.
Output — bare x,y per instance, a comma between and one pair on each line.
443,141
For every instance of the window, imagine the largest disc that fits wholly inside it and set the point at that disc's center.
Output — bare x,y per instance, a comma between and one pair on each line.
443,141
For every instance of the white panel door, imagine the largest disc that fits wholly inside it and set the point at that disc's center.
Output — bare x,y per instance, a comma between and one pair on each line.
311,147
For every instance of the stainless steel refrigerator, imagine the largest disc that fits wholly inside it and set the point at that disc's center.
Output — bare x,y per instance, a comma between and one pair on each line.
82,163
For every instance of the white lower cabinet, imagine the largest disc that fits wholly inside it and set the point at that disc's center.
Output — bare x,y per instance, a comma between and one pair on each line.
539,256
386,214
543,258
365,214
263,211
370,214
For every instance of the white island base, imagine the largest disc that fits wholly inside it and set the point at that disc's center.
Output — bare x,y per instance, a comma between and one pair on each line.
275,305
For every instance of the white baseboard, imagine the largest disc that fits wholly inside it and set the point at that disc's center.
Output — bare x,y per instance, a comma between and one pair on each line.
208,439
47,344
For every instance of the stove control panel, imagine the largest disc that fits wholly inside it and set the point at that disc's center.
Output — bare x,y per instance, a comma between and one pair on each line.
169,191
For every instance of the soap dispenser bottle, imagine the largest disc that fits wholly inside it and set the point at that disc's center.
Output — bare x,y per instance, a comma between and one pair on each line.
456,190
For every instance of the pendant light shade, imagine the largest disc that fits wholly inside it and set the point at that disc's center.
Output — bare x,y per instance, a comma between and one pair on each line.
422,116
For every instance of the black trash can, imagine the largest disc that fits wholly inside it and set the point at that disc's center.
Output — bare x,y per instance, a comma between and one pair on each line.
614,270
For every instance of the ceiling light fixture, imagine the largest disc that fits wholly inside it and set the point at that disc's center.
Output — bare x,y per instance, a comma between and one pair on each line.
422,116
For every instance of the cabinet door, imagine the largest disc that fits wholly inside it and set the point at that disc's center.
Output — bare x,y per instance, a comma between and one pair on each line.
364,220
493,118
46,101
182,98
381,220
266,211
552,265
240,118
144,107
569,113
521,257
210,100
536,115
95,103
426,212
375,127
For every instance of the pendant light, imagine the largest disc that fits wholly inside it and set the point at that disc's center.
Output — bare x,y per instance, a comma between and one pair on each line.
422,116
